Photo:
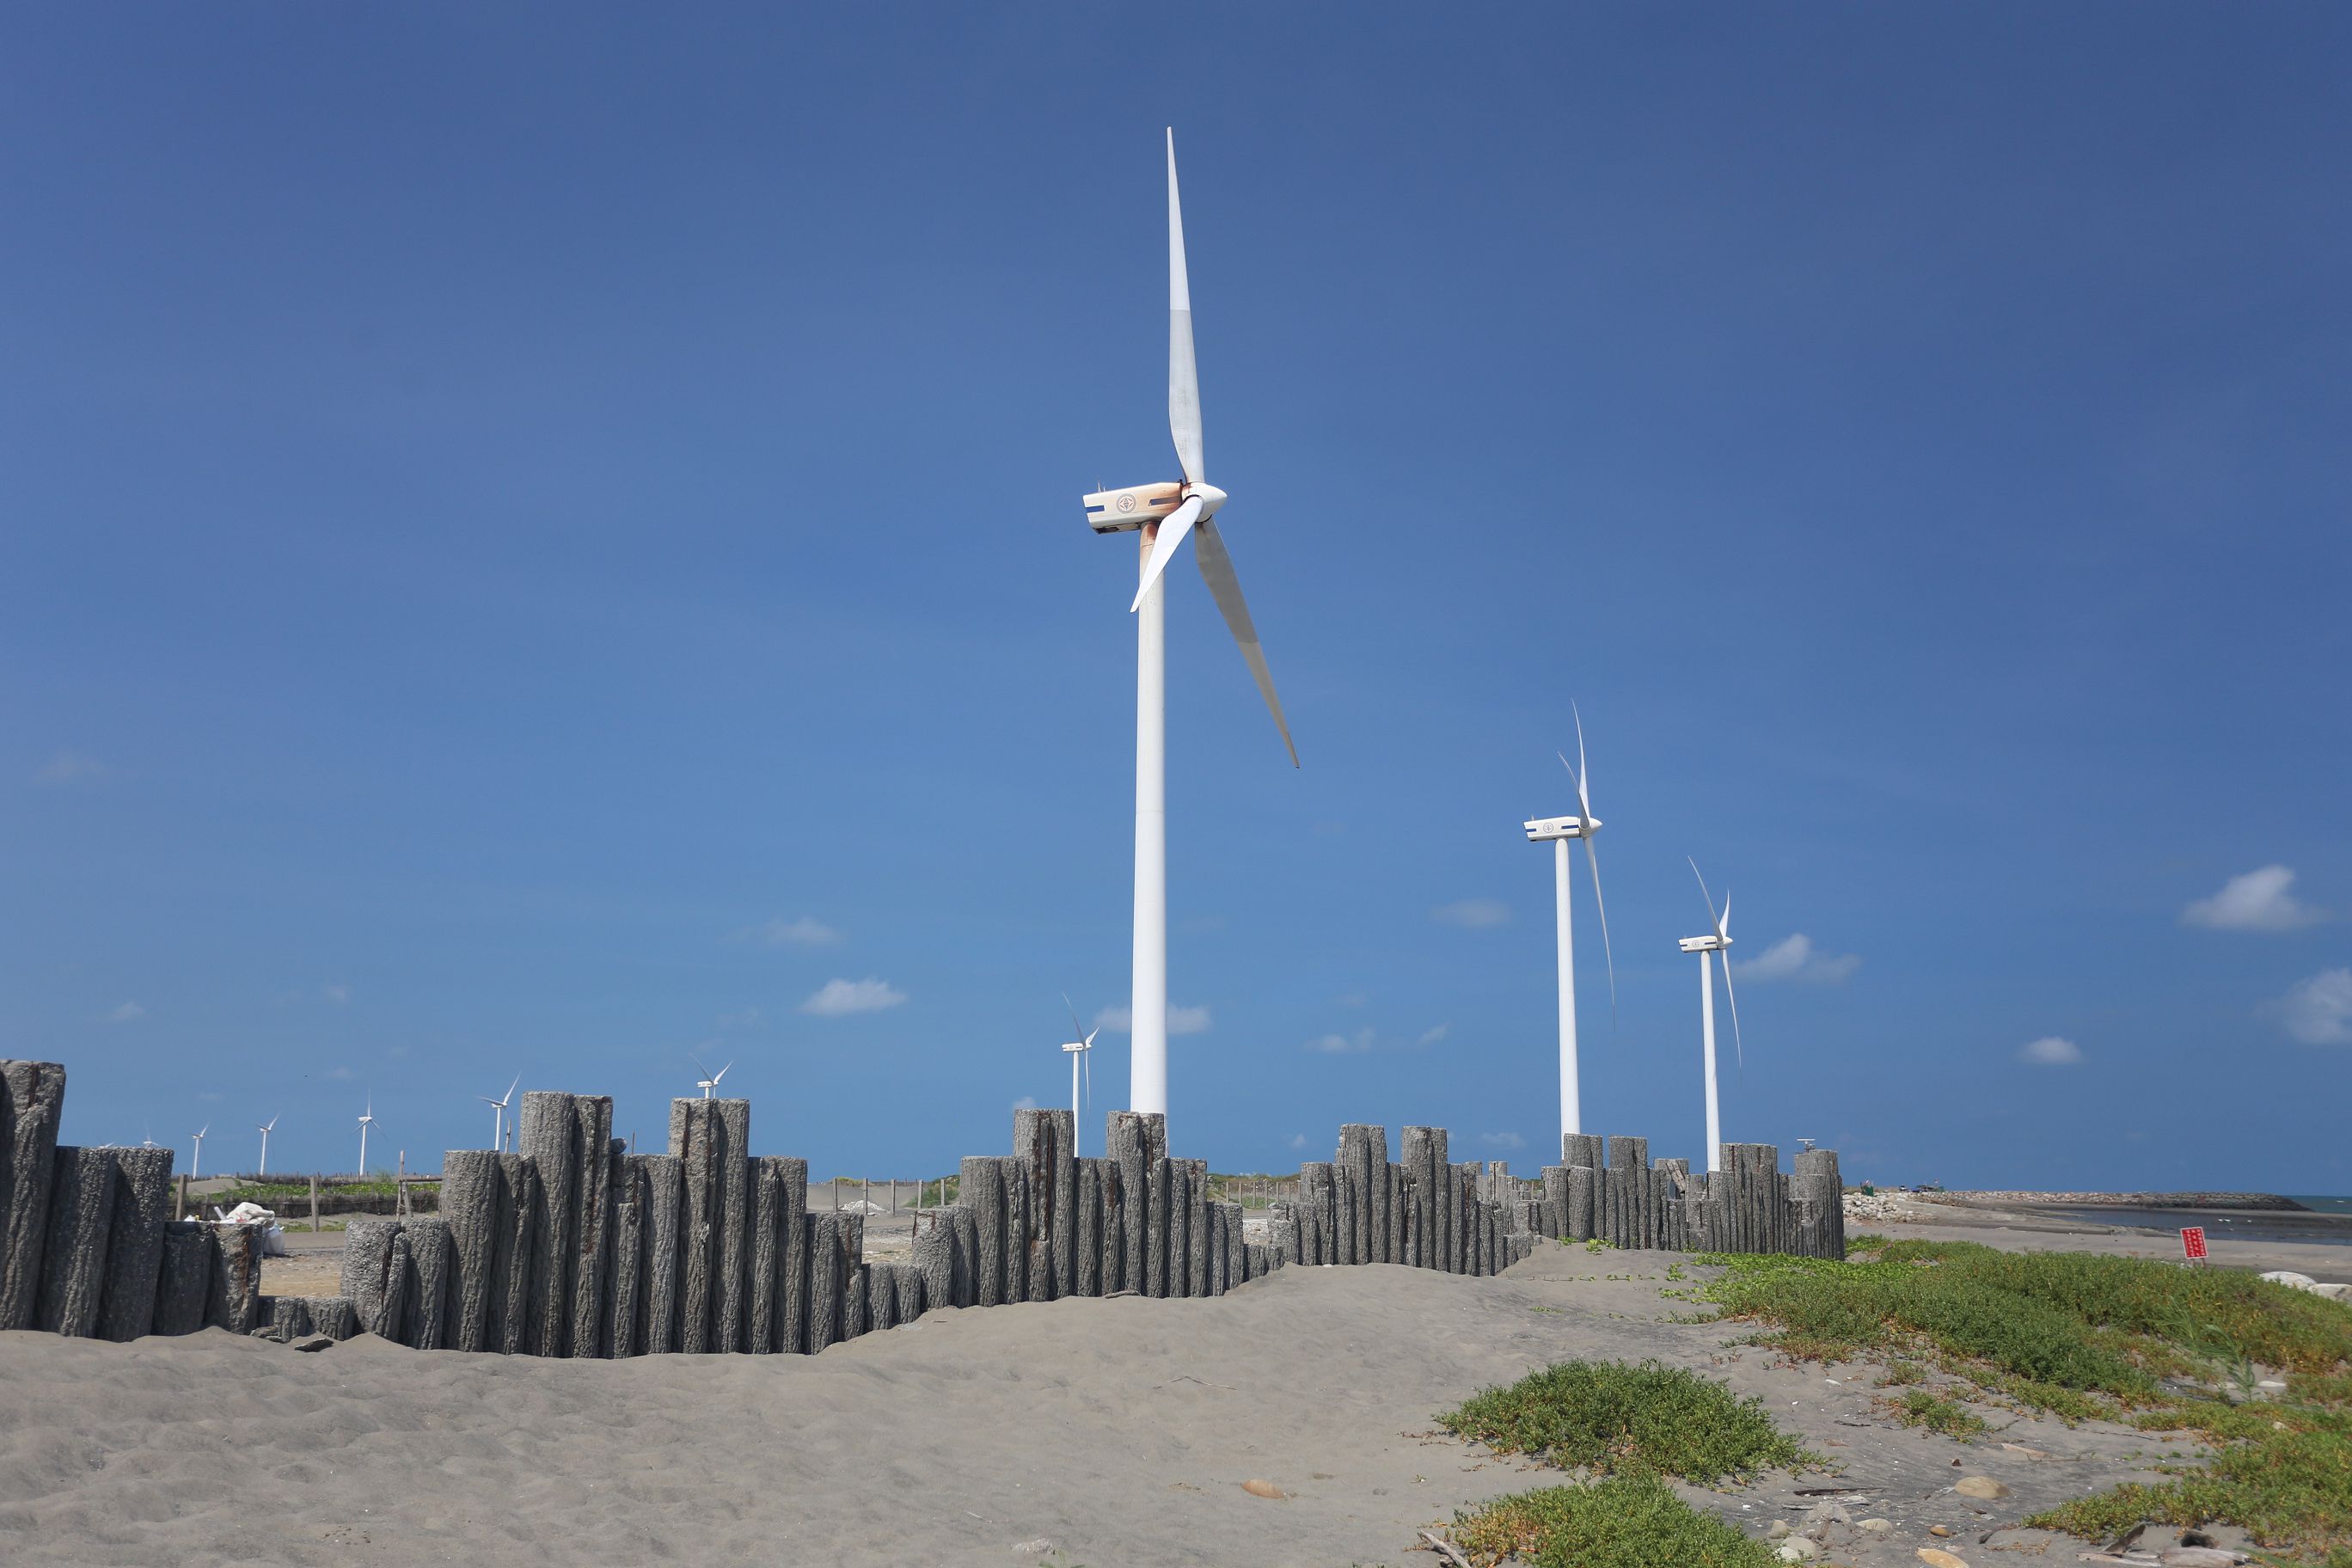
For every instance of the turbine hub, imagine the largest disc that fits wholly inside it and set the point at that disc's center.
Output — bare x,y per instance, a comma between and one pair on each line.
1212,497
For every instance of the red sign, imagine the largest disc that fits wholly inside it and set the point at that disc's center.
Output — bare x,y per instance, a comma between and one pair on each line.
2192,1243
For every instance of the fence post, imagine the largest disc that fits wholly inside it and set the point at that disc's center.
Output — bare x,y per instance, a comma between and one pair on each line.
181,1212
836,1195
314,1203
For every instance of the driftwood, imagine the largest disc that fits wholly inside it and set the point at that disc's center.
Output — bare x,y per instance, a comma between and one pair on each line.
1445,1548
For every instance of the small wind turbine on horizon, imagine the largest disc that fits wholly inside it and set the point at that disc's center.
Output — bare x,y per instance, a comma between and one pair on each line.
1166,514
1078,1049
196,1161
1560,832
498,1114
265,1146
1717,941
367,1119
709,1082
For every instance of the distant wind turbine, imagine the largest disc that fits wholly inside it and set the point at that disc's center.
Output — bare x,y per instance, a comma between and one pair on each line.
1560,831
709,1082
265,1146
196,1163
1078,1049
1166,514
498,1114
367,1119
1706,947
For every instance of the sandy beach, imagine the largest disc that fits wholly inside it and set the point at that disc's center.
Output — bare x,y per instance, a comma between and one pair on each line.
1115,1431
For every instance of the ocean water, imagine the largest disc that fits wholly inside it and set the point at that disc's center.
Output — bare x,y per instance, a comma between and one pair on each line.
2330,1221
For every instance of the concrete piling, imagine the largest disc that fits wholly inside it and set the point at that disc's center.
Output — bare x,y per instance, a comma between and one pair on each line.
980,1188
521,1206
666,1246
469,1201
1085,1228
791,1288
1129,1142
1158,1222
592,1225
73,1261
550,1139
134,1247
368,1279
628,1312
733,1252
767,1213
233,1300
185,1281
32,1102
427,1311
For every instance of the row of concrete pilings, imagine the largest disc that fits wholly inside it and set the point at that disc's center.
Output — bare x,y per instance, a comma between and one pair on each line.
574,1246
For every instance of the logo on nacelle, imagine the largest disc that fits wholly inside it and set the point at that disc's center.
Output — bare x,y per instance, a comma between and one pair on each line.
1127,503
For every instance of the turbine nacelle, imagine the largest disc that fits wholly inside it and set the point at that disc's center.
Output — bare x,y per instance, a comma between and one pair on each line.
1544,829
1125,511
1704,943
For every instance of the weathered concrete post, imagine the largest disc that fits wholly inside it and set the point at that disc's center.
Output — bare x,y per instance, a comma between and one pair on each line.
767,1214
628,1314
1040,1143
522,1205
428,1310
1160,1221
1421,1179
550,1139
1821,1198
32,1099
1346,1183
1018,1232
1129,1142
1086,1240
233,1300
667,1244
826,1285
733,1255
1196,1227
791,1254
854,1302
469,1201
367,1277
1376,1184
698,1140
186,1280
980,1187
134,1251
592,1227
73,1264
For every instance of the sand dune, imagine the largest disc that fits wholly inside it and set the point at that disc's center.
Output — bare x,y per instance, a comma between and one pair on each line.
1120,1430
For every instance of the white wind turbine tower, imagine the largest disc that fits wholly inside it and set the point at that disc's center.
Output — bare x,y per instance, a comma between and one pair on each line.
1166,513
1077,1050
498,1114
196,1163
709,1084
1560,831
367,1119
1706,947
265,1146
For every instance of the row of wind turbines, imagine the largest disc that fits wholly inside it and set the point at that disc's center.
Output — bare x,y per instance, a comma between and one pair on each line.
1164,515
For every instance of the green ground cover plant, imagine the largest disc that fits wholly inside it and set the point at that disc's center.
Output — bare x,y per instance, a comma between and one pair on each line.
1618,1521
2149,1343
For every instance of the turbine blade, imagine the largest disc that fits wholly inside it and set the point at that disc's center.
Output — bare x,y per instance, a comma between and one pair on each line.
1076,1028
1594,860
1172,530
1710,903
1183,375
510,1088
1091,1037
1583,791
720,1074
1739,1050
1217,569
1723,926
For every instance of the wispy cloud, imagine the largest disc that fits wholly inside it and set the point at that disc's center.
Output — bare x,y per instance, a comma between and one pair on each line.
2051,1051
1026,1102
805,931
839,998
1796,958
2262,900
743,1020
343,1075
2318,1011
69,768
1473,914
1361,1040
1434,1036
1298,1140
1180,1020
338,995
129,1012
1502,1140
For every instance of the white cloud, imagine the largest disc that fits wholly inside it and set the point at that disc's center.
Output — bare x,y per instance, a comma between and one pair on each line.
2258,901
68,768
840,997
1433,1036
1795,958
1180,1020
1361,1040
1298,1140
743,1020
801,932
1026,1102
338,995
2049,1051
2318,1011
344,1074
1473,914
129,1012
1355,999
1502,1140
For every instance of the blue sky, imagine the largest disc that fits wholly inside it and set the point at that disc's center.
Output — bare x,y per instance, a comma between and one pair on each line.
544,540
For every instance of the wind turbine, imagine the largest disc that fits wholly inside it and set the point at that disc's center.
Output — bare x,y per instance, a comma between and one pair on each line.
367,1117
196,1164
1078,1049
498,1114
1560,831
709,1083
264,1147
1706,947
1166,514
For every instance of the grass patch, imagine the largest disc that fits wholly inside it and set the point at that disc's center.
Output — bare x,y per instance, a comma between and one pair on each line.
2081,1336
1609,1417
1621,1521
1918,1407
